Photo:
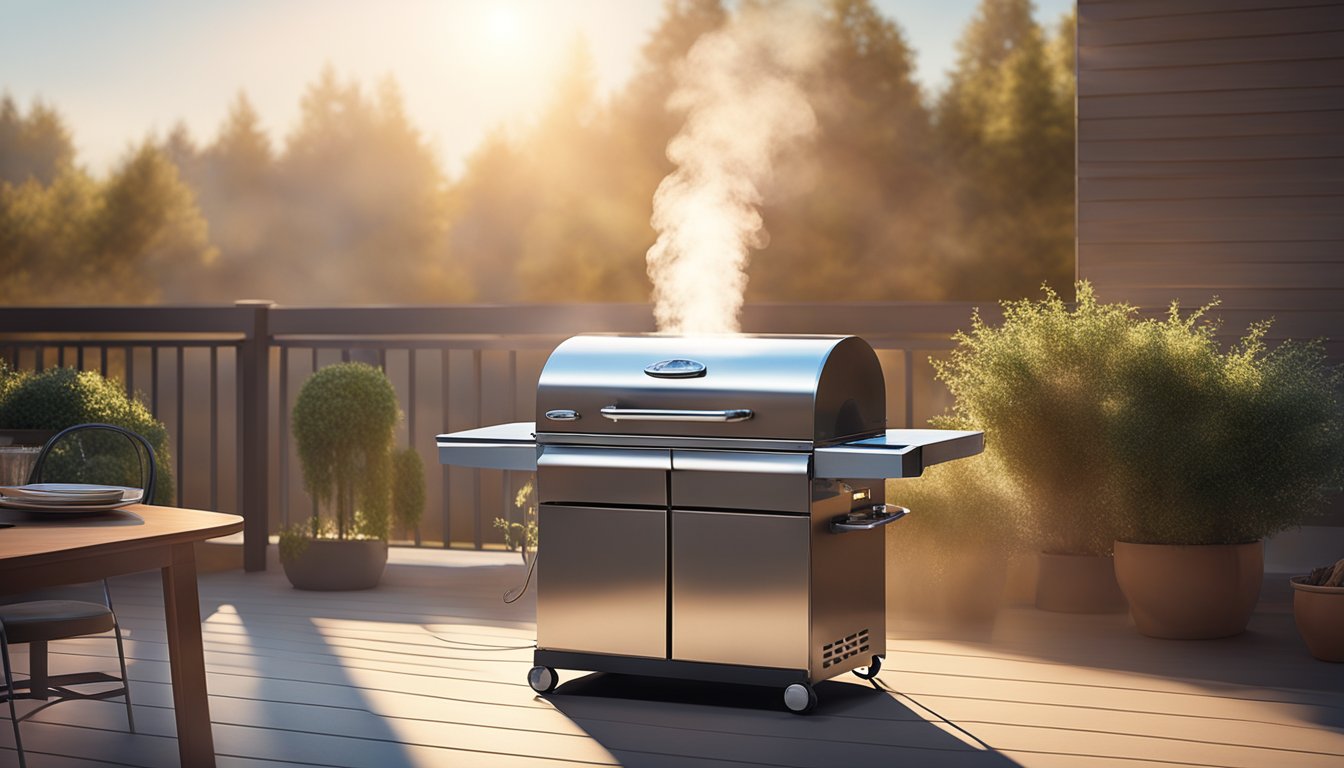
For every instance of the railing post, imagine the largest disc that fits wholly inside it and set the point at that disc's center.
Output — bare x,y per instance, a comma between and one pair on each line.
254,377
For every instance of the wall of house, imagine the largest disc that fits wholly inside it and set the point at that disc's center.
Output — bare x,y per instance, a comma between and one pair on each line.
1211,159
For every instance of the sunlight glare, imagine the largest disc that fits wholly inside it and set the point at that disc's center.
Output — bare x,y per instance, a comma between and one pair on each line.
504,25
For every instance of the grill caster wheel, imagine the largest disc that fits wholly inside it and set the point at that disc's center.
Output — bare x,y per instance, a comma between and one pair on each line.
870,671
800,698
542,679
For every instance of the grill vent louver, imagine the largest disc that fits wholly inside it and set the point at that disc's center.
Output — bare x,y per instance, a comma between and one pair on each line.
837,651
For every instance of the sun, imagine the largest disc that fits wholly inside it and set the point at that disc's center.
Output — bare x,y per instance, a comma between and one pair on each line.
503,25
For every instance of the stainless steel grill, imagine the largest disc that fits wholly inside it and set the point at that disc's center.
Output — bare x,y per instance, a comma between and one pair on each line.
710,507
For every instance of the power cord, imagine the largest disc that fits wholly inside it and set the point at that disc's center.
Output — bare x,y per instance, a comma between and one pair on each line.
511,596
518,592
467,646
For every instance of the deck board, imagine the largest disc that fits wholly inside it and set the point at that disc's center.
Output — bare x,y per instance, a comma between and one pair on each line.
428,670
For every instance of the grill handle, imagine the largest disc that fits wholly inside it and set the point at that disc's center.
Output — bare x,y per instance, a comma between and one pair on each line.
663,414
875,516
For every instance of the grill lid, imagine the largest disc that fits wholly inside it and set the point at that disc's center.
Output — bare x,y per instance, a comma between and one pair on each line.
818,389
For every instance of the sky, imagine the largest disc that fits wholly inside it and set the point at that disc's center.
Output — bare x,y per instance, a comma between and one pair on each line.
119,70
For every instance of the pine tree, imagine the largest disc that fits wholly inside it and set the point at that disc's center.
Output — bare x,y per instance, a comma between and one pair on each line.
865,196
37,145
1007,135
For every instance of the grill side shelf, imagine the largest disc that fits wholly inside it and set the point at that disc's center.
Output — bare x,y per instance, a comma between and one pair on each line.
898,453
502,446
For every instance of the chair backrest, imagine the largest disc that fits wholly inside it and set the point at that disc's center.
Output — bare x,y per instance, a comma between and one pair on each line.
69,457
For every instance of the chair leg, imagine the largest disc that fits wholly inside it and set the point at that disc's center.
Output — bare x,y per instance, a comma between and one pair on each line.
38,670
125,680
9,696
121,655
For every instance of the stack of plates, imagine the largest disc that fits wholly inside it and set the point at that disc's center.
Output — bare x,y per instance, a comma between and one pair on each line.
68,498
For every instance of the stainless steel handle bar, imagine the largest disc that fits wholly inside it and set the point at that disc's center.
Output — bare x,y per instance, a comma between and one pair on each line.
663,414
878,516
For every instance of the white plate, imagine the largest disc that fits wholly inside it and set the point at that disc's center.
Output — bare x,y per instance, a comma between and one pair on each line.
75,504
72,493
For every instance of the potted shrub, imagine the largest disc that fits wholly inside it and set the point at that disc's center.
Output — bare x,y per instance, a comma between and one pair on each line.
42,404
408,489
1318,609
343,423
1038,386
1214,452
947,561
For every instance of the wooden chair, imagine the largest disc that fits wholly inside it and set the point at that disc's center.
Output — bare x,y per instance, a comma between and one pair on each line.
37,622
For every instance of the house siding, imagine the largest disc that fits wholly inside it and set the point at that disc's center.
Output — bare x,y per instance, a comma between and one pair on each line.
1211,159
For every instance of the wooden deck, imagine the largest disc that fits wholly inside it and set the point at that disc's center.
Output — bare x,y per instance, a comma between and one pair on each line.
428,670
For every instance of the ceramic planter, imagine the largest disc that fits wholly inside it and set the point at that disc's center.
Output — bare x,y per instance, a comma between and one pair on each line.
1077,584
331,564
1319,612
1190,592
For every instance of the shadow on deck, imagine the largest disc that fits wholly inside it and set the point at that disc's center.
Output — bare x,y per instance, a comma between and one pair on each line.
429,670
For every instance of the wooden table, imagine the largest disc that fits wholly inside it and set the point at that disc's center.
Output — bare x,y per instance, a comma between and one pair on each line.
45,551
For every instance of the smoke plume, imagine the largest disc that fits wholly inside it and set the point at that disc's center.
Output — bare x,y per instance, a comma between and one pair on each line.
740,89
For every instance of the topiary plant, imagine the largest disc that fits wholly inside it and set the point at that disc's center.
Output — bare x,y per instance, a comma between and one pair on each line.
343,423
63,397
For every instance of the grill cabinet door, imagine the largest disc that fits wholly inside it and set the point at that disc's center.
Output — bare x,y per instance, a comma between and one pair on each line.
602,580
740,574
739,588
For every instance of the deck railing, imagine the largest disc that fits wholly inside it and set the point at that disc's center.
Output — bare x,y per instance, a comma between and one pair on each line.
224,378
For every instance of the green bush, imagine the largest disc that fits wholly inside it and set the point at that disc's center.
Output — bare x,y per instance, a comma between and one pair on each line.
966,503
408,487
1223,448
63,397
1121,428
1042,388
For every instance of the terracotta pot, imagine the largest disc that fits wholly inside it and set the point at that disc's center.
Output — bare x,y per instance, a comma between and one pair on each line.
1077,584
330,564
1319,612
1190,592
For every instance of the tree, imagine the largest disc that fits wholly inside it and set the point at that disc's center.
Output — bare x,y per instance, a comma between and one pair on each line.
44,232
234,181
865,197
37,145
131,239
148,236
362,202
1007,135
579,241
